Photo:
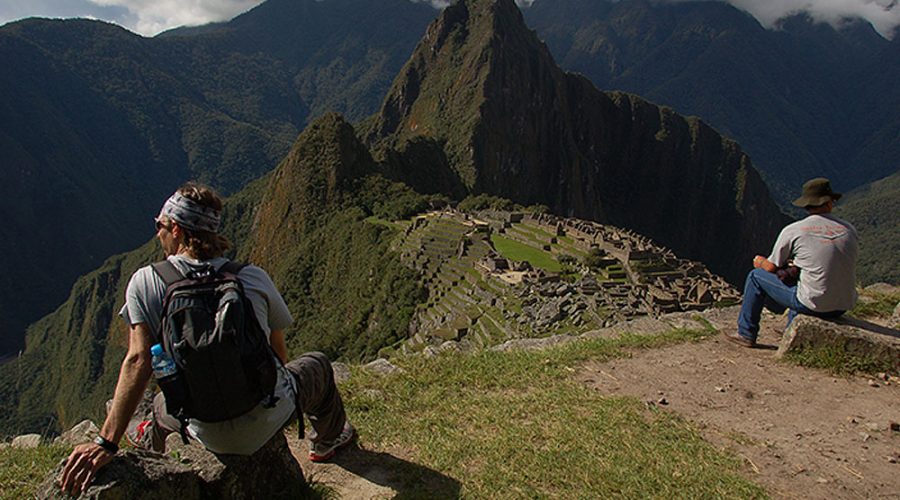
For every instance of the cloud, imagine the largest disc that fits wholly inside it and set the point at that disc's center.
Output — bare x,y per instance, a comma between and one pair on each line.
440,4
883,14
17,9
154,16
150,17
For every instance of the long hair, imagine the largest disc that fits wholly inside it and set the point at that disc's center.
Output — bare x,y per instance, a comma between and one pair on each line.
204,245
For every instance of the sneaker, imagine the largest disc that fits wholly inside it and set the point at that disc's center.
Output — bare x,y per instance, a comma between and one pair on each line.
324,450
137,434
739,339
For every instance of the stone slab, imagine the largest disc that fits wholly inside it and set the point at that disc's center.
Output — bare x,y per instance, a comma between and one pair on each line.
26,441
857,337
83,432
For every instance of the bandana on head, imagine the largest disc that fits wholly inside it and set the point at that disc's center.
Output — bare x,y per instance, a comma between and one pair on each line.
190,214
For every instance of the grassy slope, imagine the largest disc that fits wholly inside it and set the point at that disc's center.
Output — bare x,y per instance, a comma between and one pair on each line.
517,425
349,294
503,425
516,251
21,471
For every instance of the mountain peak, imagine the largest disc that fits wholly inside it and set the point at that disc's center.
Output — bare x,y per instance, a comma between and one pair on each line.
457,66
483,94
324,161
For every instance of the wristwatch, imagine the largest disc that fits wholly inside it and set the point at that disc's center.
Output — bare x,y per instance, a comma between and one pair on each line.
106,444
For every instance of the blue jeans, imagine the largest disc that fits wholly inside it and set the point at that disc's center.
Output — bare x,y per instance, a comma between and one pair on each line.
764,289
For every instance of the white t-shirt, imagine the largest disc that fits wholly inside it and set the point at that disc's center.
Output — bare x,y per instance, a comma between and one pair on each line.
824,248
245,434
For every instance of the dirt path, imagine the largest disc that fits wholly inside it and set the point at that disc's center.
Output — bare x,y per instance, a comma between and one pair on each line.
356,474
801,432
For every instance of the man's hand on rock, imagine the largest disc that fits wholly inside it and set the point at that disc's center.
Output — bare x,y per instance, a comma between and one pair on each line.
82,465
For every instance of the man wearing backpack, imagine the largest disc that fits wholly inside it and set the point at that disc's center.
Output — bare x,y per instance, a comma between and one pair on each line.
187,229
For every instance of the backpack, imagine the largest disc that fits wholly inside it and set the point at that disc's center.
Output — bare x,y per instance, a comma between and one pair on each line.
225,365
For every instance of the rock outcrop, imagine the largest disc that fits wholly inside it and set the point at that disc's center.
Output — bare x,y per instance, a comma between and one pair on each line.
271,472
26,441
483,95
83,432
876,344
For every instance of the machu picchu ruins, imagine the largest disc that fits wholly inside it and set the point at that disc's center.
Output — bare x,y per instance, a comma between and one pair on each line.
493,276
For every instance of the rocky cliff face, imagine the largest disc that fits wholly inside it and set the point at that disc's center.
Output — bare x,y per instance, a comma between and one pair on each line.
308,184
484,89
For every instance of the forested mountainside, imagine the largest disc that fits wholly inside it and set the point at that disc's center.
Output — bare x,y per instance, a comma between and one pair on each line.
480,103
99,125
483,103
873,210
349,294
804,99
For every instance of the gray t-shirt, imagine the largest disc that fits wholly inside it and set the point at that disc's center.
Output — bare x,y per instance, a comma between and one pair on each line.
247,433
824,248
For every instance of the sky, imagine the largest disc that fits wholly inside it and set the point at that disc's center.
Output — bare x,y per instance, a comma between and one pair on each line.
149,17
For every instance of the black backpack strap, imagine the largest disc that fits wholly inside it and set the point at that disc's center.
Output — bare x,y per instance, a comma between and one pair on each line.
232,267
167,272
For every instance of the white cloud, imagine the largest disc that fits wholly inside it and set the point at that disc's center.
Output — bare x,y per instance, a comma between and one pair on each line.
11,10
154,16
149,17
883,14
440,4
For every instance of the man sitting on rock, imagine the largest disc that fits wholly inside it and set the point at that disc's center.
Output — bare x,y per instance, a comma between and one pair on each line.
823,247
187,229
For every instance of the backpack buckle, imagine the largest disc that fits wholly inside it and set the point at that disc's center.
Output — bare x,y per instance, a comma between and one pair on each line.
202,273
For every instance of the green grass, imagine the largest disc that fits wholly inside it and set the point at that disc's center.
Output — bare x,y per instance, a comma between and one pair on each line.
521,252
21,471
535,230
838,361
875,305
517,425
530,237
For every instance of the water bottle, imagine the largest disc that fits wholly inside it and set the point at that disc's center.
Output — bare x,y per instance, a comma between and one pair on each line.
170,381
163,364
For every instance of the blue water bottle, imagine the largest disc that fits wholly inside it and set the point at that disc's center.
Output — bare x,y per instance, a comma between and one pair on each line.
163,364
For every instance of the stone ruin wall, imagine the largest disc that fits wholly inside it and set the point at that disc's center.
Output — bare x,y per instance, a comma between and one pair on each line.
673,285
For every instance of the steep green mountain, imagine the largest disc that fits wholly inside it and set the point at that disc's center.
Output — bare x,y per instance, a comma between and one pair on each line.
96,129
306,223
480,107
98,125
482,100
804,100
98,121
873,210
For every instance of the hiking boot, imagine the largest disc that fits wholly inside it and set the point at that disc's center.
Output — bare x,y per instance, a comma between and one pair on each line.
138,433
739,339
323,450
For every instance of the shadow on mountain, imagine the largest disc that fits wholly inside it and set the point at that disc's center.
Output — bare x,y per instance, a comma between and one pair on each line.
422,164
408,479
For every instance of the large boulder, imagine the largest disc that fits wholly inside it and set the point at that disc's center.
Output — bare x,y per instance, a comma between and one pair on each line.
83,432
26,441
853,336
271,472
134,474
191,472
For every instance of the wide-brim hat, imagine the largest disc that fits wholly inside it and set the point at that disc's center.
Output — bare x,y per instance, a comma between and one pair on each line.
816,192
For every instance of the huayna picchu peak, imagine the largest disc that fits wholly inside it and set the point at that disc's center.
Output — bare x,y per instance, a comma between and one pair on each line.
483,94
484,273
